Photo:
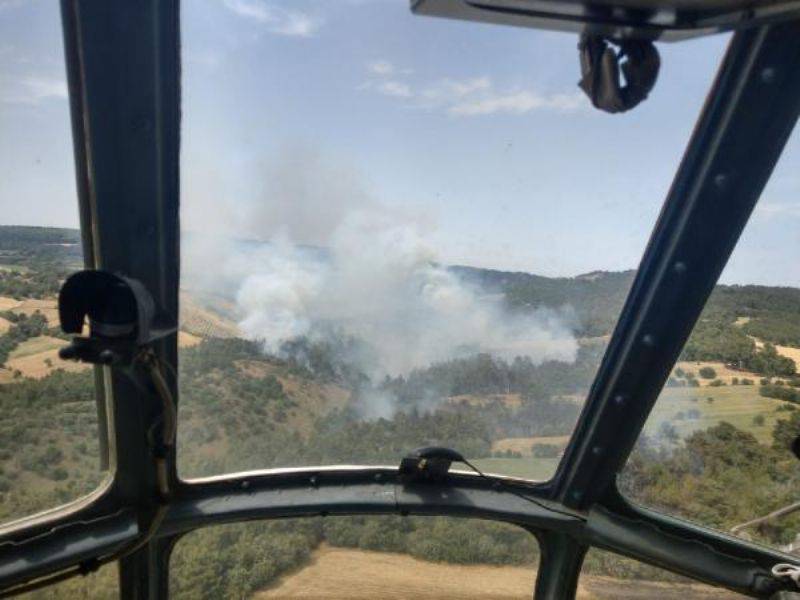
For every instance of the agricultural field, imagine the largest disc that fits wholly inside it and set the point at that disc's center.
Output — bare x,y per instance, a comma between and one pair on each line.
722,372
524,445
7,303
790,352
37,357
247,405
47,307
341,573
695,409
526,467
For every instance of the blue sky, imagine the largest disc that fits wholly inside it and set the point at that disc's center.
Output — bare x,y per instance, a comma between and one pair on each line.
476,134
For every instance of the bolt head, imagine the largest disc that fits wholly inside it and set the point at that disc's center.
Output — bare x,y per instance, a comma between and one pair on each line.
768,74
721,181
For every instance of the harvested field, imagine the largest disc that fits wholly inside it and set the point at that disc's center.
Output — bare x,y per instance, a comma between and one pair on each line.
187,340
37,358
689,409
535,469
7,303
340,573
48,308
36,345
523,444
724,373
789,352
512,400
203,322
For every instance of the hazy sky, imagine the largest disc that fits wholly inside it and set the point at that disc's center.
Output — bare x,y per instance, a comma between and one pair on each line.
297,112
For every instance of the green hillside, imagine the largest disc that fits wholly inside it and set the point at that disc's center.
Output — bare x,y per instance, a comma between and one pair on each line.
241,409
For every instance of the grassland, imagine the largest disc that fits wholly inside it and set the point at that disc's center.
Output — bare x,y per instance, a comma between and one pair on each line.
187,340
7,303
36,345
793,353
37,357
339,574
736,404
723,373
14,269
48,307
202,320
523,445
686,409
536,469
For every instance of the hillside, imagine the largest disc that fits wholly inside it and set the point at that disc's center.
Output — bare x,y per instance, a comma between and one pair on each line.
596,297
242,407
359,574
33,261
503,413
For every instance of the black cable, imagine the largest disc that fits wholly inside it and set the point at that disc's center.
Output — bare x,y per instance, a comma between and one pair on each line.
40,583
169,430
497,481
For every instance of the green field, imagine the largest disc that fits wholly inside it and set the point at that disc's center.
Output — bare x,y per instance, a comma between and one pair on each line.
14,269
736,404
537,469
36,345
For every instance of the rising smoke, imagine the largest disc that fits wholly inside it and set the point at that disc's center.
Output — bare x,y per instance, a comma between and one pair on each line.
335,259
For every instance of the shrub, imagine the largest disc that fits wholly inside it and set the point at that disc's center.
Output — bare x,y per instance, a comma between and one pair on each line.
58,474
717,383
758,420
545,450
780,393
707,373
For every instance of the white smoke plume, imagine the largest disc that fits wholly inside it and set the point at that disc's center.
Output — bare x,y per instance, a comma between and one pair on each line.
372,275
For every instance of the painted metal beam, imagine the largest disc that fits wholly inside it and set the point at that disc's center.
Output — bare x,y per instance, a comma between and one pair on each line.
748,117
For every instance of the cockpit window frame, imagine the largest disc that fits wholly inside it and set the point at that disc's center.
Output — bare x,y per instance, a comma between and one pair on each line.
124,80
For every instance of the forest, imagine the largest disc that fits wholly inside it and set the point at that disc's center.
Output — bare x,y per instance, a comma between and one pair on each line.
242,408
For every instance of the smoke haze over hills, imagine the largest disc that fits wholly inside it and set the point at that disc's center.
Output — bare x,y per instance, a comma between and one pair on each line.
378,278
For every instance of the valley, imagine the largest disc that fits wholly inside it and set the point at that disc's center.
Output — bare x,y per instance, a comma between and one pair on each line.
243,407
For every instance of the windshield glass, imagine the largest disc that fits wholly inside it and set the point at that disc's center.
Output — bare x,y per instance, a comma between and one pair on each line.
400,231
608,576
49,431
717,447
355,558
